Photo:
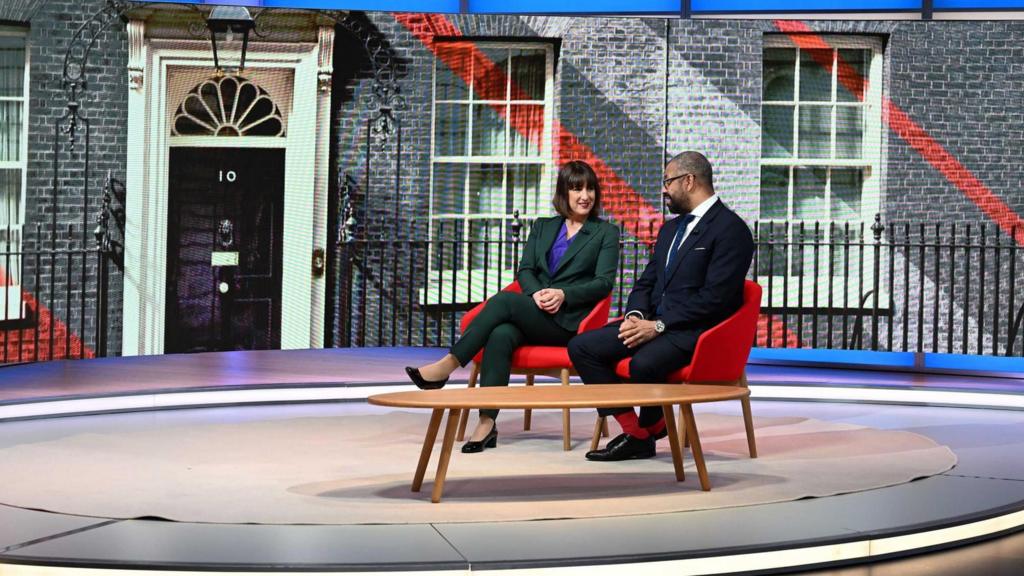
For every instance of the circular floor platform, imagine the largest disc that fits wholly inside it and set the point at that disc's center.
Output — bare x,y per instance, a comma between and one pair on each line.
981,497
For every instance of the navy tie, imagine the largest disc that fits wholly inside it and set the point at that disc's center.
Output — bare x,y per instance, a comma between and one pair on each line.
677,240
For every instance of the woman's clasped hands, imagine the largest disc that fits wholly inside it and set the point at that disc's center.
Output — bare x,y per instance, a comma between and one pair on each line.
549,299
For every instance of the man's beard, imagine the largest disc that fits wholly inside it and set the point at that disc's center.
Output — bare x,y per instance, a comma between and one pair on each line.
673,206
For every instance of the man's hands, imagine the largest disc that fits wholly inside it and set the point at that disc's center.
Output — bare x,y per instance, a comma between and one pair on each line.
549,299
634,331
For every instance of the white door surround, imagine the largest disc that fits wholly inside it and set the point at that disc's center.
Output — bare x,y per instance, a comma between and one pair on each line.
153,65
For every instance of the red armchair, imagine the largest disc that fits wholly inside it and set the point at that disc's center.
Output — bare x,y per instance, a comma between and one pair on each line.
534,360
720,358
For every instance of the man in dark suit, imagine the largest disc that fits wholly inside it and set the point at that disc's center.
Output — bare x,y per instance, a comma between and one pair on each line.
693,281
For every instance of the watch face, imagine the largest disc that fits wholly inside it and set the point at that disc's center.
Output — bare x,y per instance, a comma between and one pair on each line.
659,326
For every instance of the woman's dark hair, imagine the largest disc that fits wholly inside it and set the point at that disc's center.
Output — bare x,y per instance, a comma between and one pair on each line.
575,175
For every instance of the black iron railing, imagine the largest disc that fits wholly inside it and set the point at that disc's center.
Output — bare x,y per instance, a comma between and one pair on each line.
906,286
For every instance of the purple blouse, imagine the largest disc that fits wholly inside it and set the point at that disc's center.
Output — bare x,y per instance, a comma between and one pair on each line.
558,248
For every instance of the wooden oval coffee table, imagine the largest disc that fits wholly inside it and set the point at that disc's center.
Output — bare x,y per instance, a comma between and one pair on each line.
455,400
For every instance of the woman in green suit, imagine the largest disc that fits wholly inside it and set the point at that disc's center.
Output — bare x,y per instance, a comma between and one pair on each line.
568,266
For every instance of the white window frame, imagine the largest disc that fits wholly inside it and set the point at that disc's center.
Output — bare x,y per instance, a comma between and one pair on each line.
870,161
474,285
11,294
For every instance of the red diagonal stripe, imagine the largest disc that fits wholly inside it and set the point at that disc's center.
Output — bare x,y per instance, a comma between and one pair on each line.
914,135
18,345
629,208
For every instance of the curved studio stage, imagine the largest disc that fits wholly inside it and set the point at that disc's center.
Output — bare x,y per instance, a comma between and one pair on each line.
981,419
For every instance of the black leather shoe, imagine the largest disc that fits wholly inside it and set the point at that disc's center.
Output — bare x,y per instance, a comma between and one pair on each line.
614,442
489,441
629,449
421,383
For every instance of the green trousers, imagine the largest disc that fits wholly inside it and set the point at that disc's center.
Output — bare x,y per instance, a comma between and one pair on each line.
508,321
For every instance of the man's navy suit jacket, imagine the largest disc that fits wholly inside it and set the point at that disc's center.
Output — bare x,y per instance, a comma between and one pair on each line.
704,284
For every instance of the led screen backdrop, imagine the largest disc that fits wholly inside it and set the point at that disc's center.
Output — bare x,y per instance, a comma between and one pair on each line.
367,176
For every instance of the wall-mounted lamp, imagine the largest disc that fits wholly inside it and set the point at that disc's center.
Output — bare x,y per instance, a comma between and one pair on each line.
226,21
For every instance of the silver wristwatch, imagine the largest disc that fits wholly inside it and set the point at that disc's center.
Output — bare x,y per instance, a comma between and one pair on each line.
659,326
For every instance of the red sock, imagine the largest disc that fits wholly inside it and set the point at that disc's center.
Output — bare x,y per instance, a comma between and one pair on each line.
657,427
631,425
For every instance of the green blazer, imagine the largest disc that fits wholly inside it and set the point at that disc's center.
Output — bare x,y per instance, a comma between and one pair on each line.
586,272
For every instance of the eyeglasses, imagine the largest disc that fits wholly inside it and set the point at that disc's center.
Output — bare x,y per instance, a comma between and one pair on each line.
667,181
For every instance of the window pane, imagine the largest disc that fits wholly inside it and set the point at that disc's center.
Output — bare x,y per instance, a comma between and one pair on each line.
774,192
777,131
450,125
847,190
815,77
10,232
449,188
809,194
453,69
447,244
853,74
490,74
528,71
488,131
485,245
10,197
527,129
845,255
779,73
12,66
815,128
524,191
849,131
486,189
10,131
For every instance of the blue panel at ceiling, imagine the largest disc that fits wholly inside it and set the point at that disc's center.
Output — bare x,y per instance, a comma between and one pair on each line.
713,6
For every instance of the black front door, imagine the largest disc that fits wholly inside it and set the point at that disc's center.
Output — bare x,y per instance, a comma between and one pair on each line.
224,249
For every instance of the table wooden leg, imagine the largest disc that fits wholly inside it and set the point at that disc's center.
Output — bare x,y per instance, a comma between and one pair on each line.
446,453
428,447
673,441
683,440
698,453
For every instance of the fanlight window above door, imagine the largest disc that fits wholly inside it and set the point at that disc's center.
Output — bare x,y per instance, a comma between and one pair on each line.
228,106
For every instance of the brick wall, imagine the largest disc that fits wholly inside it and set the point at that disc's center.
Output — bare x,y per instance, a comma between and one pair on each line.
52,25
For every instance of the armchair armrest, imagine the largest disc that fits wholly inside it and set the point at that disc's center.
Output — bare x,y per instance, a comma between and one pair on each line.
598,317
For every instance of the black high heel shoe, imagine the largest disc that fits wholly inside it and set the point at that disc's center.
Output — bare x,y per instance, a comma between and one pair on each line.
489,441
421,383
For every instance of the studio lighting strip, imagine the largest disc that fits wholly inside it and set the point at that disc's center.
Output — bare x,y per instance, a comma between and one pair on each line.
291,394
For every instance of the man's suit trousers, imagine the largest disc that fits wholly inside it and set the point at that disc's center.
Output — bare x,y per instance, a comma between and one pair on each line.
594,354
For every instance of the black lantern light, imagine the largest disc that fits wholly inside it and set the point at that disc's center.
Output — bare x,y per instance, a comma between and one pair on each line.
226,21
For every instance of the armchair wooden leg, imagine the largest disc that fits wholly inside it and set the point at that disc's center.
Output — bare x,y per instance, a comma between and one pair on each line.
748,418
604,428
599,425
748,421
566,440
528,417
473,374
